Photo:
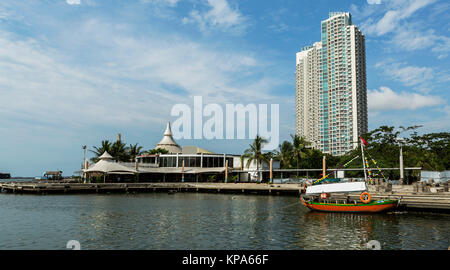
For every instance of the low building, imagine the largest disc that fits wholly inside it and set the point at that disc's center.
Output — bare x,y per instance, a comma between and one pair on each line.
436,176
5,175
194,164
53,175
110,171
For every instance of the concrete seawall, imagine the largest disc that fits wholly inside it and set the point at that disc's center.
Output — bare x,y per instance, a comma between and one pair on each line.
422,201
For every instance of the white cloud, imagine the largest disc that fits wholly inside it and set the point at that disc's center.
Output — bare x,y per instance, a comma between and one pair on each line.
411,40
277,17
4,14
405,29
171,3
144,78
396,13
385,100
73,2
421,77
220,15
372,2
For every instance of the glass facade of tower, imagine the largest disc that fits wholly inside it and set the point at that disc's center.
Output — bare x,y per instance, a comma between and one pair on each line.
335,68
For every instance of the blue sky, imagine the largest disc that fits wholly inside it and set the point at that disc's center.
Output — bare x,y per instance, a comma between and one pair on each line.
75,72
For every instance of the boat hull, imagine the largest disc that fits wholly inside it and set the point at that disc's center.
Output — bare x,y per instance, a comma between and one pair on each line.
372,207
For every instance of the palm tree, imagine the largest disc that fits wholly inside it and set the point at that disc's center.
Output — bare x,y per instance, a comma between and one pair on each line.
119,151
284,155
133,151
98,151
254,153
299,148
157,151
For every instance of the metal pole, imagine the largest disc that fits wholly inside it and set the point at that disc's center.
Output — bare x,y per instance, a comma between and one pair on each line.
84,154
84,162
402,176
364,162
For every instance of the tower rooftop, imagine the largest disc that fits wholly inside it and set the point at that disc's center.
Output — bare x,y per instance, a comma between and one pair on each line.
167,142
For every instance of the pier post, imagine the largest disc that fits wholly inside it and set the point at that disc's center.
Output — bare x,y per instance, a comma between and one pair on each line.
136,167
226,171
271,171
182,172
324,166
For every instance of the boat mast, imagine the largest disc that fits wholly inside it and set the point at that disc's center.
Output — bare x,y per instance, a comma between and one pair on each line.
364,162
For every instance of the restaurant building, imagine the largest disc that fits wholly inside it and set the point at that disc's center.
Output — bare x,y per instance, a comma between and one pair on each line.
194,164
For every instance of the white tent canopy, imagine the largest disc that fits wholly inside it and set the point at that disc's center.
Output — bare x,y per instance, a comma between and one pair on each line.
105,156
110,168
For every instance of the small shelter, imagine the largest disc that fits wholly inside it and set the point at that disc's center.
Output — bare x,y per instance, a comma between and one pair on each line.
106,166
53,175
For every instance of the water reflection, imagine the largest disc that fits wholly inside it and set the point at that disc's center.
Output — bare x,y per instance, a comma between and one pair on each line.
205,221
340,230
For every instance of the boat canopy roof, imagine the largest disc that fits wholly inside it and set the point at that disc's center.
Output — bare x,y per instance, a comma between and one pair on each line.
339,187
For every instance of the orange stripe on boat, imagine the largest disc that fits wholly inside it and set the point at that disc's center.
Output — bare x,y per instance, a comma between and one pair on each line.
350,208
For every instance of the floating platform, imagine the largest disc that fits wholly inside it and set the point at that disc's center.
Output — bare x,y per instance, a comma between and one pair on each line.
242,188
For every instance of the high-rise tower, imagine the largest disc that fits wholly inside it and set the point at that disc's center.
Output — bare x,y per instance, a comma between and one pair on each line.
331,92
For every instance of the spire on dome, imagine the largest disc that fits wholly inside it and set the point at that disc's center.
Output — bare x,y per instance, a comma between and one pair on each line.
168,142
168,131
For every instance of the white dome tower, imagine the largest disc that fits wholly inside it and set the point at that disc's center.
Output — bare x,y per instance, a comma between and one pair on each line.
168,142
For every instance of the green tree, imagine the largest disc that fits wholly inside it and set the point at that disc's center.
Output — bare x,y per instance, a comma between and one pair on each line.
106,146
157,151
134,151
119,151
285,154
299,148
254,153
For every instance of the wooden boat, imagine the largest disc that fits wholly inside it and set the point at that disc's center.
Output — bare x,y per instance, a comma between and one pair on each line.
326,204
371,207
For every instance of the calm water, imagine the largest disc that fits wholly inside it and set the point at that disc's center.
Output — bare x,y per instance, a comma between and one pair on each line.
204,221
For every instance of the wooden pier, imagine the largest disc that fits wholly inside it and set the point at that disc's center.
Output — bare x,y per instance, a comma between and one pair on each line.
412,200
242,188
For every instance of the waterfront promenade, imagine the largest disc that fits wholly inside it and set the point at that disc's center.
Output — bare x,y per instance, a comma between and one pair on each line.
413,198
